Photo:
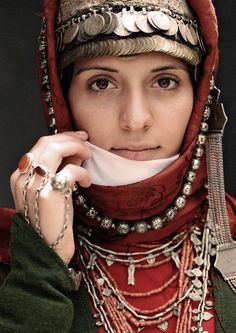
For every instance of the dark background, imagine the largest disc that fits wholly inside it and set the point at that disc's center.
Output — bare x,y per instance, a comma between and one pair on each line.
22,121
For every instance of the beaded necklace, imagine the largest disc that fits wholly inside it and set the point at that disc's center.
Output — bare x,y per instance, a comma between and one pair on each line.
190,303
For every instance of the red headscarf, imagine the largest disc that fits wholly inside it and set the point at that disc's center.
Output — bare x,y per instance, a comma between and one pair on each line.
152,196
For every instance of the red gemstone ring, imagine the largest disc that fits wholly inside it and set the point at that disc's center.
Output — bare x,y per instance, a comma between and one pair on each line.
25,163
41,170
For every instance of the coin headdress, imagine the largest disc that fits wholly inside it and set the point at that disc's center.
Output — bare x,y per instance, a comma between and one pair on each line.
88,29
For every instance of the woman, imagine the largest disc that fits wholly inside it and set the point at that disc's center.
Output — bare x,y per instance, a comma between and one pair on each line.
134,247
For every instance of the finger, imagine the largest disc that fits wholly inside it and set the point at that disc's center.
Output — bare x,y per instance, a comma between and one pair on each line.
54,153
76,174
44,141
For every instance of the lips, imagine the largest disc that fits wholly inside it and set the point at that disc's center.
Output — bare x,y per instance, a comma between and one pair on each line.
139,153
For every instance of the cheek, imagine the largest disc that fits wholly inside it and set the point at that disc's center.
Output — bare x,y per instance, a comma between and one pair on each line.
177,121
94,118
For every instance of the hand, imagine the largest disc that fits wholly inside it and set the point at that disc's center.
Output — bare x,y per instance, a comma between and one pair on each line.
61,153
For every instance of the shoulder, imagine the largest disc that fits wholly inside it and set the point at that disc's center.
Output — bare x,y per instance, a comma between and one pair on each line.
5,233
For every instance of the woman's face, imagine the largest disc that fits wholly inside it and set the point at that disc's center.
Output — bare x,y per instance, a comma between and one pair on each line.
137,107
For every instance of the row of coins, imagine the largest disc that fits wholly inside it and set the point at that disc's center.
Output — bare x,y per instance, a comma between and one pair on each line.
125,23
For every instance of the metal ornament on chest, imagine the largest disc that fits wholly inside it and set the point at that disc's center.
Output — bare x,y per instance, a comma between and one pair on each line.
203,243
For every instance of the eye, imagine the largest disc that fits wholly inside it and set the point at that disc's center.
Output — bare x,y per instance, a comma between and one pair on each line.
167,83
101,84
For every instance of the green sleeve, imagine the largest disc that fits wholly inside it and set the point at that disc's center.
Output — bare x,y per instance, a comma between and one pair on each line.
36,296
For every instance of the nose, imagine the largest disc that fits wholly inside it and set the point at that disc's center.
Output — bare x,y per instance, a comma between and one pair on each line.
135,112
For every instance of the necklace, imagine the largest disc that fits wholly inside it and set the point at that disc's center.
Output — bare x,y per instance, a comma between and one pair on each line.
190,303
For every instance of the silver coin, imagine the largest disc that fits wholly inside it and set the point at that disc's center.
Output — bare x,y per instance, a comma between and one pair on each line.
127,46
70,34
150,44
150,18
79,38
182,29
158,43
133,45
108,21
128,20
192,35
120,30
167,45
94,25
143,24
173,28
114,22
161,20
82,36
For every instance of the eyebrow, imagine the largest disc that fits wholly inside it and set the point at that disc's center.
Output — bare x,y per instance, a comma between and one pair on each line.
170,67
108,69
91,68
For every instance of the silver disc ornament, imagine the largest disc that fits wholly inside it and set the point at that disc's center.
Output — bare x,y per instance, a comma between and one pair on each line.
70,34
108,21
94,25
173,28
81,35
120,30
182,29
160,20
113,25
129,20
191,35
143,23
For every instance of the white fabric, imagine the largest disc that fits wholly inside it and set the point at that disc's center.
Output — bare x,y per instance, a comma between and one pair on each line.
108,169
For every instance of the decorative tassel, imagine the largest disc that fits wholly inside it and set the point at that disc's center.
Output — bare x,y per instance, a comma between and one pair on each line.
226,246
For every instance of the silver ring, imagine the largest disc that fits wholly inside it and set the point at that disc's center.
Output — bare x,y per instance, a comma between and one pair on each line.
60,183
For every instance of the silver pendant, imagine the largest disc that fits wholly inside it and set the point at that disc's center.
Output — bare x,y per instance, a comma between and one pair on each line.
207,316
120,30
92,261
128,20
191,35
182,29
151,259
114,23
70,34
163,326
107,292
142,22
94,25
173,28
175,258
107,21
131,271
110,259
161,20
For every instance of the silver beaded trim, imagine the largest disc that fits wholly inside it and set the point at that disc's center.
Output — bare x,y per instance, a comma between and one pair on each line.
122,228
45,78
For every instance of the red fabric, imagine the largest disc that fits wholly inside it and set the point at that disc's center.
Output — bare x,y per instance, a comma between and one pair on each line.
5,233
151,196
63,119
